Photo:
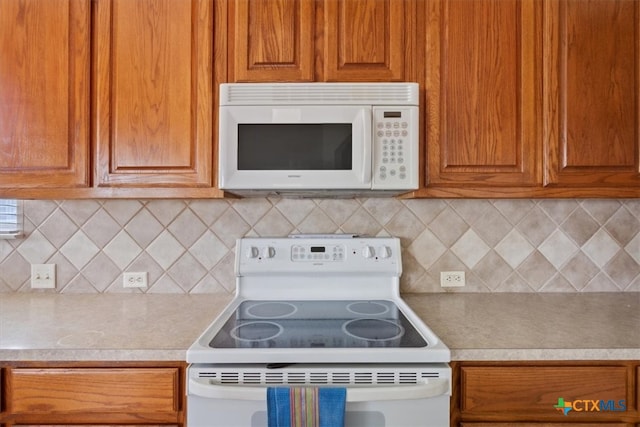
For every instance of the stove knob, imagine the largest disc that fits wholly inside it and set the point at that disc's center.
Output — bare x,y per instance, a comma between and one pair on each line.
384,252
268,252
368,252
252,252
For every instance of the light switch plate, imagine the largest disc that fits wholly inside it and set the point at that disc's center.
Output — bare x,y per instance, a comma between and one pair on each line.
43,276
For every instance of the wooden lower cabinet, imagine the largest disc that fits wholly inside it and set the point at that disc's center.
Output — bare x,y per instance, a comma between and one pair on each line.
138,394
545,394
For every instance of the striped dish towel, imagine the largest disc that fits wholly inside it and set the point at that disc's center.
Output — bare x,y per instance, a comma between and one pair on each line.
306,406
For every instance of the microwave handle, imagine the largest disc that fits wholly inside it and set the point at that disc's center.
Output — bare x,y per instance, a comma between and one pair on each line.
427,389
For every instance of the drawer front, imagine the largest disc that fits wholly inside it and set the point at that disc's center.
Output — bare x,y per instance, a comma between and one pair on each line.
543,390
543,425
91,390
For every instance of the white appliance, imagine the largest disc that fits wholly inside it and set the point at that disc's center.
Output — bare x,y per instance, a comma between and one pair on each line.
318,139
320,311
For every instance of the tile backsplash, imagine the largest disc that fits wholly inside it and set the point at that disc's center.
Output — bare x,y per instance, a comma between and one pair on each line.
187,246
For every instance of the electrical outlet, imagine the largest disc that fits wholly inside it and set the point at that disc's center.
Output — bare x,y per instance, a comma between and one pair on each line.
450,279
43,276
134,280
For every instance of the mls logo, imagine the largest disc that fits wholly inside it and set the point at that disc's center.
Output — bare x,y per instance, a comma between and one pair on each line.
588,405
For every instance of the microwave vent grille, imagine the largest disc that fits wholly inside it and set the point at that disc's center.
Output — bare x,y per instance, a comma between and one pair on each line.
319,94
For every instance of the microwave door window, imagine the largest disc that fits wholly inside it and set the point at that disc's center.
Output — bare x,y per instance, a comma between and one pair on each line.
315,146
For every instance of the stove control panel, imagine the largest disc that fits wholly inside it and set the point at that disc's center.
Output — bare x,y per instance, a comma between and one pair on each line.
310,252
330,255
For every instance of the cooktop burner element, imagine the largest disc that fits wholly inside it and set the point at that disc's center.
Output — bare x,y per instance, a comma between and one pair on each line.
256,331
271,310
374,330
318,299
367,308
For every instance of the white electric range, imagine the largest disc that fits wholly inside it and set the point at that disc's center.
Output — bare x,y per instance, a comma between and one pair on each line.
326,311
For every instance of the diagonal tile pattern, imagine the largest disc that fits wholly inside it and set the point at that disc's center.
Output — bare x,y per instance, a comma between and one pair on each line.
187,246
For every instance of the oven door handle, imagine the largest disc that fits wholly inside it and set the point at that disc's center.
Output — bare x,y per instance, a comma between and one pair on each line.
428,388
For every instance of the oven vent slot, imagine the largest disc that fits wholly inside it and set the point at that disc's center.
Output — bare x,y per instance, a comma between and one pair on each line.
407,378
274,378
430,375
251,378
341,378
318,378
363,378
386,378
296,378
229,378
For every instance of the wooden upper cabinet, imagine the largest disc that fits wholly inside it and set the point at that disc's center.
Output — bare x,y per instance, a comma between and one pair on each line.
44,93
365,40
153,93
593,93
320,40
272,40
482,95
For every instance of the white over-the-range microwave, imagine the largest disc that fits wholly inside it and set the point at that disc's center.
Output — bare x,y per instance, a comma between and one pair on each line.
318,139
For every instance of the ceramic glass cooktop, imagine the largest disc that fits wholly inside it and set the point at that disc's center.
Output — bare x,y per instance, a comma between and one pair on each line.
317,324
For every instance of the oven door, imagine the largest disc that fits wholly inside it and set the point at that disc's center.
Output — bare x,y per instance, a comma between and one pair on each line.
294,147
218,402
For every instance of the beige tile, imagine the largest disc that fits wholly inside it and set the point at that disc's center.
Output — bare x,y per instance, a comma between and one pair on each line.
165,250
579,271
623,226
122,249
580,226
470,248
448,226
273,223
187,228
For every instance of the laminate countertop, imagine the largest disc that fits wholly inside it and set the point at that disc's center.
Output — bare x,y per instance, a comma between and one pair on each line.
150,327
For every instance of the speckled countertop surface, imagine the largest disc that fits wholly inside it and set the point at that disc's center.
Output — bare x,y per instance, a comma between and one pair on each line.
527,326
128,327
122,327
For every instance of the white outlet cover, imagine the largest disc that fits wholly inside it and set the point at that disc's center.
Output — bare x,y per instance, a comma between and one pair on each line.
135,280
452,279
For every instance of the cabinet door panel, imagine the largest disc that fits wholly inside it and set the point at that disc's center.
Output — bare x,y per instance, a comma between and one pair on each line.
593,128
44,93
272,40
153,65
364,40
536,390
80,390
481,87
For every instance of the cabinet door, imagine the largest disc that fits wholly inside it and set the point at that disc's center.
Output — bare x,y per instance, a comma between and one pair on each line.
538,391
272,40
365,40
482,83
593,93
153,93
44,93
94,395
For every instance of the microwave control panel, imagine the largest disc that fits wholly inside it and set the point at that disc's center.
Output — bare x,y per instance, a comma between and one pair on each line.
395,147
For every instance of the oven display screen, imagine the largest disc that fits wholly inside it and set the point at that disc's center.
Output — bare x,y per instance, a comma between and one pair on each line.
318,324
317,248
